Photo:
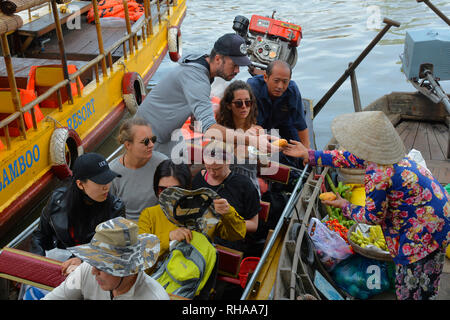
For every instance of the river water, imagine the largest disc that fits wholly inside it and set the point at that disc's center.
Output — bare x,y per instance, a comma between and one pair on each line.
334,34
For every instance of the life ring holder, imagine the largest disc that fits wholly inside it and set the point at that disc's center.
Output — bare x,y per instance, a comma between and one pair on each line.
65,148
174,43
133,91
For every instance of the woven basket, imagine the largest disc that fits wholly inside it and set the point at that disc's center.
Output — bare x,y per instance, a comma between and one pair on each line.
372,254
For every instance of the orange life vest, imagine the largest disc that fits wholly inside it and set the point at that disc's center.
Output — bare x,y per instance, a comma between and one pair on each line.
26,96
114,8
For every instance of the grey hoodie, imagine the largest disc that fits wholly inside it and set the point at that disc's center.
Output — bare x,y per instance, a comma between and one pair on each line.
184,90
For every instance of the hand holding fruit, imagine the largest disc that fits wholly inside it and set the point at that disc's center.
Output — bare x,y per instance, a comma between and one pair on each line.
337,202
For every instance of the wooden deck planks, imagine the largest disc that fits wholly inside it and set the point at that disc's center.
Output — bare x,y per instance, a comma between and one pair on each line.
441,133
431,140
421,141
409,134
84,41
436,150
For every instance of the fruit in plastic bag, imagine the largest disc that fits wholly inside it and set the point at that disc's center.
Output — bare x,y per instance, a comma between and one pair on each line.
363,277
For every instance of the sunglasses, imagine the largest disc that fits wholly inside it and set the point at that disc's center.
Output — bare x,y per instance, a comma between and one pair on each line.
147,140
240,103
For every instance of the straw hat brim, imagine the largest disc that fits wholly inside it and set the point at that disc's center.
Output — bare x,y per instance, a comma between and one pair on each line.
370,136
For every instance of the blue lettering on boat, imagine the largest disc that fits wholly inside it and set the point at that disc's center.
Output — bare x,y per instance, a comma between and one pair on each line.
81,115
19,166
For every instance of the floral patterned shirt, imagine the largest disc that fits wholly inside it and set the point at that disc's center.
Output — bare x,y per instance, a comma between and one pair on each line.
411,206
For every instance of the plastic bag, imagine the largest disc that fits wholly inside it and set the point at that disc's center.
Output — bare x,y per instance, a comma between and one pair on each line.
362,277
330,247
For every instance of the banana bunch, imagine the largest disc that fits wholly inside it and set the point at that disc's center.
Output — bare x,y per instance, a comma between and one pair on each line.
375,238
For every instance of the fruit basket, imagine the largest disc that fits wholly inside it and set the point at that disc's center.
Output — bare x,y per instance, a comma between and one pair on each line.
370,251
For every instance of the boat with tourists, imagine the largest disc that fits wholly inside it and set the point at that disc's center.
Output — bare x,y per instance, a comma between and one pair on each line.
289,267
66,82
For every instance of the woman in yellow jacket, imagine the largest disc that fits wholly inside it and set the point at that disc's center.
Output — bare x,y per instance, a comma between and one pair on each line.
152,220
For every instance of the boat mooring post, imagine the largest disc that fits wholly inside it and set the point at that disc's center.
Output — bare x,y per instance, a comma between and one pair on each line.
286,211
389,23
436,10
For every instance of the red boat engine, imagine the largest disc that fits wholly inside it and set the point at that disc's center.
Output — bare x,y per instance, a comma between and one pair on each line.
269,39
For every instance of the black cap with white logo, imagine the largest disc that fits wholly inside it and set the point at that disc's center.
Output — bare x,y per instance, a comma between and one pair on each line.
93,166
233,45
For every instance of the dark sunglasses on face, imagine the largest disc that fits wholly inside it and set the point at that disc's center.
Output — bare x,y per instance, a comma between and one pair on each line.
147,140
240,103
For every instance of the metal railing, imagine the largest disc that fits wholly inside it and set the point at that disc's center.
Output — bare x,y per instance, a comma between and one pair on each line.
145,24
285,216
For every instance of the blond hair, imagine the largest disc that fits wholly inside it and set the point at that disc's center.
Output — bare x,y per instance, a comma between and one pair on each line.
126,132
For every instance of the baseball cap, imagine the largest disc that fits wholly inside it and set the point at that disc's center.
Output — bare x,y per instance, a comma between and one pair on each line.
93,166
233,45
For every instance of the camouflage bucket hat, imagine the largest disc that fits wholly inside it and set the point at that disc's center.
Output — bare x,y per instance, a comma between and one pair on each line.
118,249
191,209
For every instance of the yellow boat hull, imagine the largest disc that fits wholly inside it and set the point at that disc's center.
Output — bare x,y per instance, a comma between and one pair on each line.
26,169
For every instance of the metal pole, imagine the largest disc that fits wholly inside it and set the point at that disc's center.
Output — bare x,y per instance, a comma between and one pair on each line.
389,23
286,212
436,10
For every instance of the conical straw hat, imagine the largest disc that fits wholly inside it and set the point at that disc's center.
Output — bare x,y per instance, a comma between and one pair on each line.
369,135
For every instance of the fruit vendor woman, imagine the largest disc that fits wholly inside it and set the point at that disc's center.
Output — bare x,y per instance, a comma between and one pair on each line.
409,204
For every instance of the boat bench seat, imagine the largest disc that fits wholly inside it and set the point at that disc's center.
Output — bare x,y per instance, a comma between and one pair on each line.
43,77
229,263
29,268
46,23
22,66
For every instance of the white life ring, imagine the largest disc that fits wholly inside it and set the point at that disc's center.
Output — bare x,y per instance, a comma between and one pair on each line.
65,147
133,91
174,43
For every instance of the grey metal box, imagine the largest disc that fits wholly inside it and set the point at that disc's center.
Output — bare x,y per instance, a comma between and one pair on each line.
431,46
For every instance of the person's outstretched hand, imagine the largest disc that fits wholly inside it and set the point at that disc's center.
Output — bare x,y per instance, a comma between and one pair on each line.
296,149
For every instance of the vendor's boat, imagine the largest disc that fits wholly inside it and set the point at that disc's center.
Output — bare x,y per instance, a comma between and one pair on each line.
63,94
422,121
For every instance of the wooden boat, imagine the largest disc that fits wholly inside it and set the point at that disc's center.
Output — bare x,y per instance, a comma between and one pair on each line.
102,71
422,125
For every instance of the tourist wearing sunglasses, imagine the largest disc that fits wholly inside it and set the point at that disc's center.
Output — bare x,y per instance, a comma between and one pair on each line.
137,166
238,110
152,220
280,105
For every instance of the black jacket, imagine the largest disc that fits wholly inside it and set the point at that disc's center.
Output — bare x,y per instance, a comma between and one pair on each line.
53,230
